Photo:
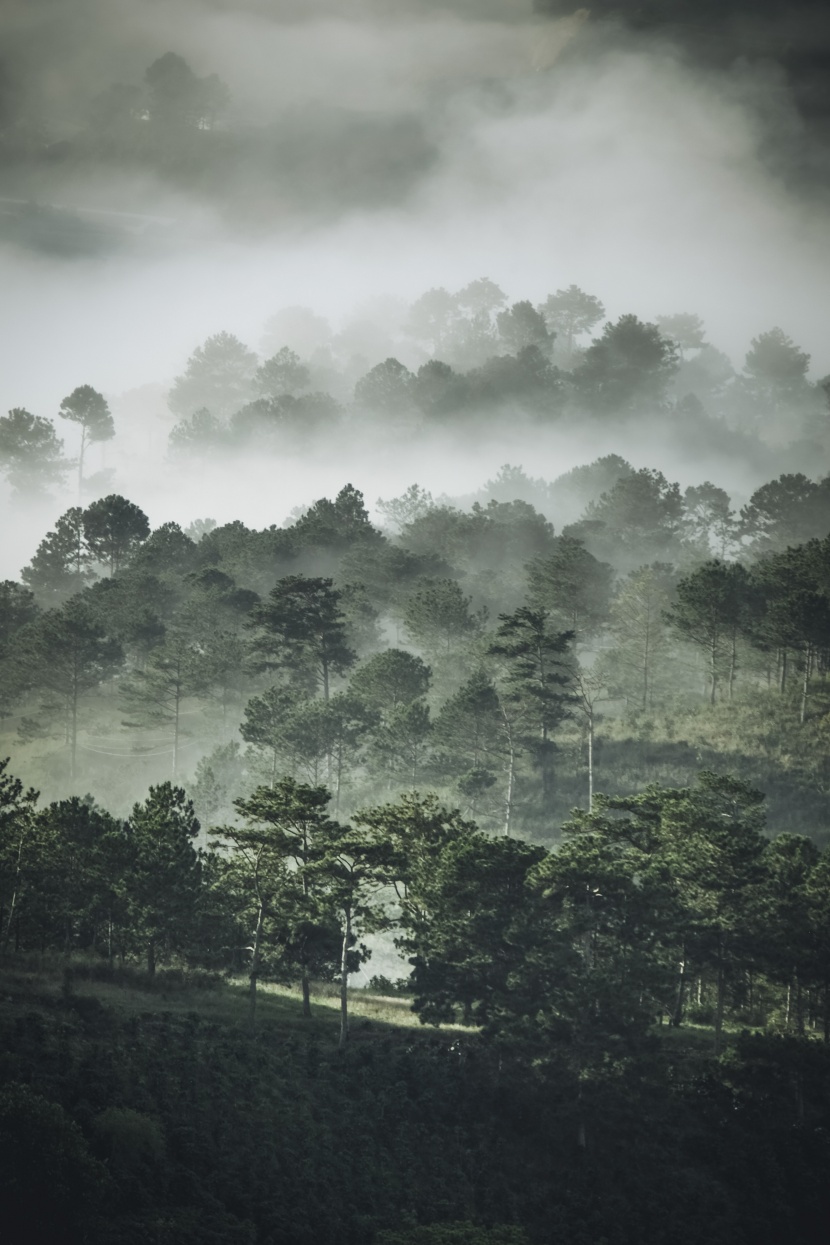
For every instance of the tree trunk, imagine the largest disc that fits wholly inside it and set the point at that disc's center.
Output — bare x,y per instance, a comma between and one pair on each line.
255,961
73,731
15,893
719,1006
590,760
733,664
306,988
344,981
176,708
680,997
808,657
508,803
151,958
782,686
81,463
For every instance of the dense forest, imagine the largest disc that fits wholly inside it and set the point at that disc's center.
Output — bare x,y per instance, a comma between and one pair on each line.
358,731
445,859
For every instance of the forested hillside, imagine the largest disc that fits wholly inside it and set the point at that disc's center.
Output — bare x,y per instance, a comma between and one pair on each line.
304,736
414,685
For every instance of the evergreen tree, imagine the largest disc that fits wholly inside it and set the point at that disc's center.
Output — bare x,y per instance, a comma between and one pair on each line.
30,453
113,529
534,695
67,653
155,695
286,824
164,880
88,408
710,611
572,586
300,630
61,561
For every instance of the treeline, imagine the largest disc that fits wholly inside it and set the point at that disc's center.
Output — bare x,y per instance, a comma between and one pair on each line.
475,653
473,359
660,907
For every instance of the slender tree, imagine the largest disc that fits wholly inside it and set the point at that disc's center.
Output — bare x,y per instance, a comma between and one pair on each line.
300,630
88,408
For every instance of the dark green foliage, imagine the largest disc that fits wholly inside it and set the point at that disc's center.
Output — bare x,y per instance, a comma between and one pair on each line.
113,529
630,363
713,606
17,608
50,1184
165,873
438,617
390,679
66,653
386,389
60,565
787,511
572,586
300,630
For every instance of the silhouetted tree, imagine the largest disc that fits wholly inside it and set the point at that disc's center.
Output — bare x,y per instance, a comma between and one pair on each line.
88,408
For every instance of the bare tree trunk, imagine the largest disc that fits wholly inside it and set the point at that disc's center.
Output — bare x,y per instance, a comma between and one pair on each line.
15,892
255,962
808,657
81,463
176,708
511,771
344,981
719,1006
680,997
73,729
590,760
508,803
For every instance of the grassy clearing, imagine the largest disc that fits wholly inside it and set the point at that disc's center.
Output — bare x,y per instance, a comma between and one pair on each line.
32,981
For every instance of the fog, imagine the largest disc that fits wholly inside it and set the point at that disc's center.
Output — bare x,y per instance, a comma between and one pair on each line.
536,152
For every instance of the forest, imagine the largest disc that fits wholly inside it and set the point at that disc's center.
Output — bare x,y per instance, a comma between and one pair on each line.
414,705
569,782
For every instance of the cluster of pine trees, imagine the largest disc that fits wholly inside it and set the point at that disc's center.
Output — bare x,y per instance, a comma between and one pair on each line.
476,653
473,359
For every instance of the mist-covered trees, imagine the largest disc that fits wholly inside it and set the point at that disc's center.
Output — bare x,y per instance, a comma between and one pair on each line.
630,363
219,377
113,529
712,608
301,631
67,653
31,455
177,98
570,313
107,532
89,409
